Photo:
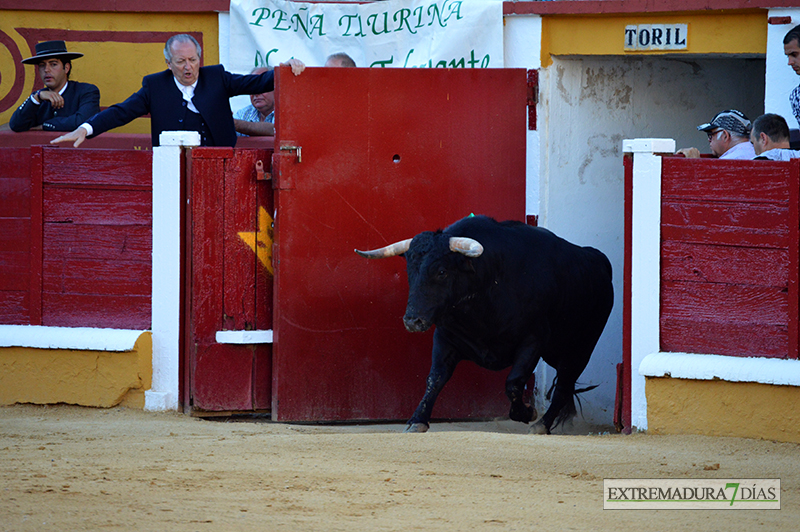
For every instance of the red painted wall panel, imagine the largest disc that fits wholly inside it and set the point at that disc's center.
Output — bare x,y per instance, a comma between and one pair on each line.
96,276
724,264
15,233
70,166
90,206
14,162
96,310
728,250
75,229
14,307
106,242
97,238
15,196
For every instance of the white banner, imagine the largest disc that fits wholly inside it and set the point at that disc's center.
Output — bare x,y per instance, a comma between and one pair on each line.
394,33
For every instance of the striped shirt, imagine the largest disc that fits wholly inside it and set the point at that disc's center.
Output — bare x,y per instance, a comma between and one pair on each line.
251,114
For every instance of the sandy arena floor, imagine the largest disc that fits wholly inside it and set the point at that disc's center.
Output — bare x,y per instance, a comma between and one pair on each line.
67,468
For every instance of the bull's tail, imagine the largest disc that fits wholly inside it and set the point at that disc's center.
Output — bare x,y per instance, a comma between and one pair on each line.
568,411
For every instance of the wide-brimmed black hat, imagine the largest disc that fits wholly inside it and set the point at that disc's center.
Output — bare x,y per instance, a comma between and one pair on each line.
48,49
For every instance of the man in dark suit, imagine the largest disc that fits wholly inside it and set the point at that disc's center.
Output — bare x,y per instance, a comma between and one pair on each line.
62,104
185,97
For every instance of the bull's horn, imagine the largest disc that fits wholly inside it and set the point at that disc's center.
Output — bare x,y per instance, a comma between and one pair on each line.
391,250
466,246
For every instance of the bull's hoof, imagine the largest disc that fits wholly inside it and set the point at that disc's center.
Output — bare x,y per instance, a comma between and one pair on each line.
522,413
417,427
538,428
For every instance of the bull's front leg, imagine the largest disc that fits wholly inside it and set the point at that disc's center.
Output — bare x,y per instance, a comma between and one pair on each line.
520,374
443,364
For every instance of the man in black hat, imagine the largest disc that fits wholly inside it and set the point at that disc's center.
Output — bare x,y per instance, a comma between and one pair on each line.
62,105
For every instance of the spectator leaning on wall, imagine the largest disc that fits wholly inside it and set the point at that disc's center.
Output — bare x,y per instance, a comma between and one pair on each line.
184,97
728,137
62,104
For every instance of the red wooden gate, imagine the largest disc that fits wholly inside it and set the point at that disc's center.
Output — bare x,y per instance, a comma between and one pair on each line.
365,157
229,280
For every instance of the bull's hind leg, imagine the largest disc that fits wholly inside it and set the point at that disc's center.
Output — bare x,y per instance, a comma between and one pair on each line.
562,399
562,405
519,376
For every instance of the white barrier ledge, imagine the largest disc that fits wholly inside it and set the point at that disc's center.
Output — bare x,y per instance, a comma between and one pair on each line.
648,146
711,367
77,338
179,138
244,337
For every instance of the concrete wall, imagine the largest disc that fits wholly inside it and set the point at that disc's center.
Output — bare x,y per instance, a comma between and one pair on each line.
590,104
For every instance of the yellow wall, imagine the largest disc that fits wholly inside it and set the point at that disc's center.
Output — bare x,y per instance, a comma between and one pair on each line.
115,66
717,33
87,378
721,408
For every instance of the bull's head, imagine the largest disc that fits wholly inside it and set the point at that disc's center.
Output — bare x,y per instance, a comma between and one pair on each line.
437,266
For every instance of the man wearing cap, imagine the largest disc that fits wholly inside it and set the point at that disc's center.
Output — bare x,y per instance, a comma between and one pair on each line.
62,104
185,97
728,137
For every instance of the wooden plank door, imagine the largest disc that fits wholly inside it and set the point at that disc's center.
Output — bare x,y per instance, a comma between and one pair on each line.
363,158
229,279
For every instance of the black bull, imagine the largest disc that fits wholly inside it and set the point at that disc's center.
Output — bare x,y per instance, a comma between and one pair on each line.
505,294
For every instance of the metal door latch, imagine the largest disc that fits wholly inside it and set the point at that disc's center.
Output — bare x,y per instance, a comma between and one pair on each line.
297,148
261,175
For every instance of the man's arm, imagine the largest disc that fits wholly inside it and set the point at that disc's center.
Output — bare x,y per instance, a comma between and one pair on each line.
254,129
88,105
25,117
76,137
119,114
237,84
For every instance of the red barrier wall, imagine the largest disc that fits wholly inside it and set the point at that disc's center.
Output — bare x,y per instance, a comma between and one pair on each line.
729,257
75,232
15,230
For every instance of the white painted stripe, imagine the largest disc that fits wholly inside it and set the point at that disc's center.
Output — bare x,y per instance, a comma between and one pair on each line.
77,338
244,337
727,368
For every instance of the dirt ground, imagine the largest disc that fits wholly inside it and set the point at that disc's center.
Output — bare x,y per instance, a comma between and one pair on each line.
68,468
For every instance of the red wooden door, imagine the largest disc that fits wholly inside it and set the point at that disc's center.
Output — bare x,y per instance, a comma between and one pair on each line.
229,280
363,158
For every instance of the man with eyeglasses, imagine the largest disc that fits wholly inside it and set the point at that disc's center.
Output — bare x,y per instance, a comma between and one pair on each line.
185,97
728,137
